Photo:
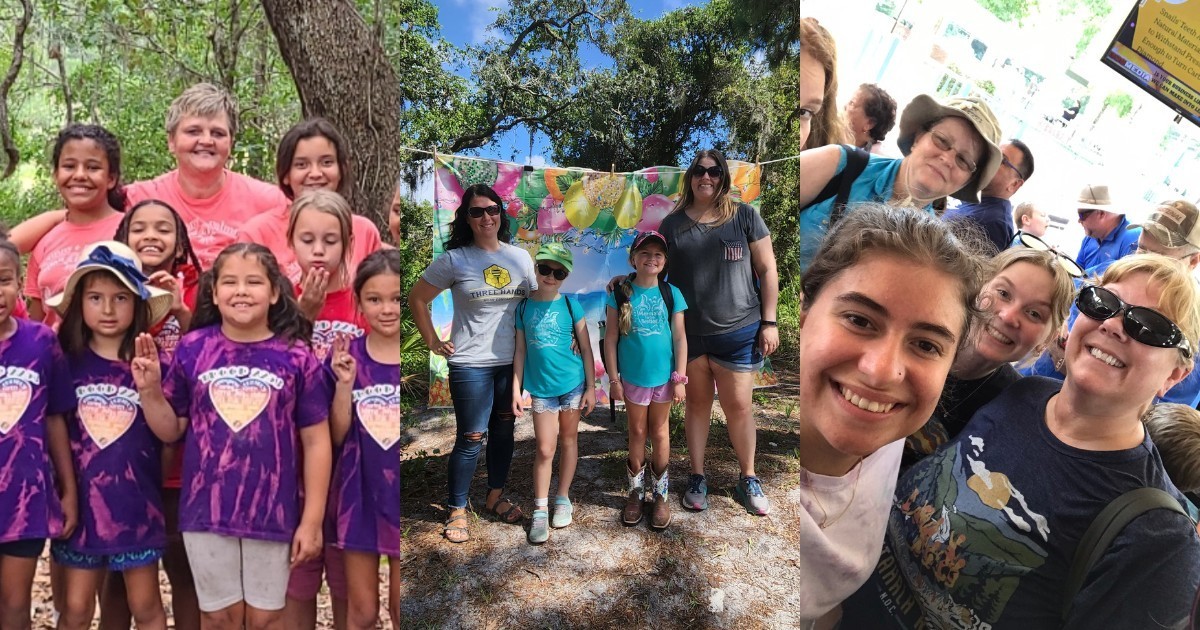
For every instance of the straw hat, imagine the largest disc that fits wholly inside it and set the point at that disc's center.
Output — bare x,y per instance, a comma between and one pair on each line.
116,258
924,110
1095,197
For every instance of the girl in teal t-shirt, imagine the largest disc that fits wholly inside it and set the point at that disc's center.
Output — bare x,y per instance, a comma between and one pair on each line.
647,361
559,382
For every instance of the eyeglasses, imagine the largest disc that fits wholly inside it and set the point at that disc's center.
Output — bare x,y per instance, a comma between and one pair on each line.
547,270
477,212
1004,161
1084,214
942,142
1068,264
1143,325
713,171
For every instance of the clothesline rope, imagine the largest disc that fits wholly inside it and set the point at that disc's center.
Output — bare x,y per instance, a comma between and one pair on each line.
437,155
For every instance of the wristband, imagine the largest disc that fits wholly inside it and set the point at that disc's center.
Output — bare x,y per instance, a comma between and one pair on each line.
767,322
676,377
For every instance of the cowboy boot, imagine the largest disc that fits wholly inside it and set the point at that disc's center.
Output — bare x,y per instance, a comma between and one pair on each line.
632,514
661,516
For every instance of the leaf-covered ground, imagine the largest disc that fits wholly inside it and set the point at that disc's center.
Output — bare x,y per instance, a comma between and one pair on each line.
722,568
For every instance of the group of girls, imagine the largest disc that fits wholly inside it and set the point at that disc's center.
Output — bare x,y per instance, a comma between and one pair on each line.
158,368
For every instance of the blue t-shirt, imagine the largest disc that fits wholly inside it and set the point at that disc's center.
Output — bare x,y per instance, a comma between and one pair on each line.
876,183
1119,243
647,354
551,368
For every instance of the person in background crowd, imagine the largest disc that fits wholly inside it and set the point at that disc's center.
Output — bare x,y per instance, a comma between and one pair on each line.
1108,234
1029,220
993,211
870,115
819,123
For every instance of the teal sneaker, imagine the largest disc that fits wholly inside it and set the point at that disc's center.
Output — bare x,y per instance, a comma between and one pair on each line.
562,512
748,492
539,531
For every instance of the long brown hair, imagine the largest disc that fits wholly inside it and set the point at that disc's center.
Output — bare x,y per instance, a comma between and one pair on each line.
724,203
826,128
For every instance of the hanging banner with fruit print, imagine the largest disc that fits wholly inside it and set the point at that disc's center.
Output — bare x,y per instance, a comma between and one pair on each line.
596,215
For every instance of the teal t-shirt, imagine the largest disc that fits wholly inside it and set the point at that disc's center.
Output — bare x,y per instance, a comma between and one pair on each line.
551,368
646,354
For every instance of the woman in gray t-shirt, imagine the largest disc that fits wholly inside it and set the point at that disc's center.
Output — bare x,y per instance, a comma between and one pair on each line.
720,257
487,278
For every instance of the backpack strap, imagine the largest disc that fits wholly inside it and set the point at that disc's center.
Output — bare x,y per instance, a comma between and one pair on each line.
838,187
1099,535
668,298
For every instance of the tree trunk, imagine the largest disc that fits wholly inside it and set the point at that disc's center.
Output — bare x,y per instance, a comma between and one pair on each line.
342,73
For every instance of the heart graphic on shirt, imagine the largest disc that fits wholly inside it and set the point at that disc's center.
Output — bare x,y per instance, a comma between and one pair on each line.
106,419
239,402
380,416
14,399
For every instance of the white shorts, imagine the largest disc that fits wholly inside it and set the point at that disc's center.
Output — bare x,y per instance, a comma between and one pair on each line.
228,570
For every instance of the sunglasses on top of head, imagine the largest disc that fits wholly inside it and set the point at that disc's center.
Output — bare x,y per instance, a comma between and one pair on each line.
1068,264
547,270
476,212
713,171
1143,325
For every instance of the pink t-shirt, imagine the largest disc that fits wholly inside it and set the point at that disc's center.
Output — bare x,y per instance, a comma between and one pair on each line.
212,223
270,230
56,255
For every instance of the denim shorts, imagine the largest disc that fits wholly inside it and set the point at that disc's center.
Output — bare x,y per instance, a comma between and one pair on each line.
643,396
68,557
736,350
566,402
26,548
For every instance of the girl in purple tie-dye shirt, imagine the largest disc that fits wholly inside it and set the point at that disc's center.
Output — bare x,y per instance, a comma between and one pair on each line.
249,395
365,421
35,392
106,304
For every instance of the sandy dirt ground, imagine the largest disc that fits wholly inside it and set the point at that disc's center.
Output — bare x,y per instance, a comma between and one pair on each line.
722,568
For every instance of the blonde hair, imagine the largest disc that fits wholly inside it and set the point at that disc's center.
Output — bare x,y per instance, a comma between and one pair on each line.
1175,430
827,127
331,203
625,314
1178,297
1061,296
1021,211
205,100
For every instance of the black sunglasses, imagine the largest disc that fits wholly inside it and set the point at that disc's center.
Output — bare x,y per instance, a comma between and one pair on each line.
477,212
714,171
547,270
1072,268
1143,325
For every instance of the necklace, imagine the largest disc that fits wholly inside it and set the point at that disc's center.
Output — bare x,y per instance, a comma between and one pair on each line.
826,522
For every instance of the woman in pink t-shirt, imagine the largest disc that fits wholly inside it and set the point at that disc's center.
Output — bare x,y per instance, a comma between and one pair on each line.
87,172
311,155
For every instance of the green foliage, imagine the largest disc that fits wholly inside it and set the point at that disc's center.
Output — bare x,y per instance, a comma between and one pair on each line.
416,252
1085,40
1009,10
1121,103
987,86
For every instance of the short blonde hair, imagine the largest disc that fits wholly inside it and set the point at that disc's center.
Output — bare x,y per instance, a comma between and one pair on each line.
205,100
1178,297
327,202
1175,430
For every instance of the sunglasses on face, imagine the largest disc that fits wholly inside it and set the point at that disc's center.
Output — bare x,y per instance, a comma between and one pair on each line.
1084,214
943,143
1068,264
477,212
1143,325
547,270
714,171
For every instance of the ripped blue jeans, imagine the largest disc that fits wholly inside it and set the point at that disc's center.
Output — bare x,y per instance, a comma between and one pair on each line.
482,409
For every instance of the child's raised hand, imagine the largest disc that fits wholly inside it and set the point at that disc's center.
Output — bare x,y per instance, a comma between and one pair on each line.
171,284
344,365
306,544
147,371
589,401
312,289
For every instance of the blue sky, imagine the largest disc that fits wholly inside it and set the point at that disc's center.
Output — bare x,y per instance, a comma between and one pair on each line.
467,21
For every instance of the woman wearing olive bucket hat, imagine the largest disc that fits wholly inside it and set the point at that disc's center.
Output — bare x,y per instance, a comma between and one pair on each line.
950,148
